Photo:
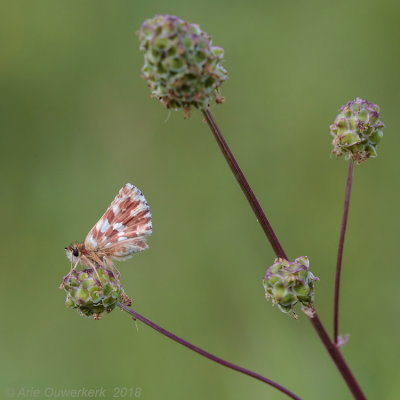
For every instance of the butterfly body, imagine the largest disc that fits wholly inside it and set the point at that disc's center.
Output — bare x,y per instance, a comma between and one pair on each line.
119,234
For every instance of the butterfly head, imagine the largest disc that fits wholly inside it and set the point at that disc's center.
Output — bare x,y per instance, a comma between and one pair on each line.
73,252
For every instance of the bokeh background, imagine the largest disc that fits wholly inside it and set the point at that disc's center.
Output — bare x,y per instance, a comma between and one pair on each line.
77,123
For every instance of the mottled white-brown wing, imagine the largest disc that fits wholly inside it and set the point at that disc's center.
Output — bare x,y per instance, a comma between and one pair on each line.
124,227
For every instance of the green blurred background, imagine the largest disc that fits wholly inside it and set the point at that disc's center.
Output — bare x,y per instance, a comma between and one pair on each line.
77,123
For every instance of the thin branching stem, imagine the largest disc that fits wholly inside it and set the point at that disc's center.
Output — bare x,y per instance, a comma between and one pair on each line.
340,251
206,354
251,198
263,221
337,358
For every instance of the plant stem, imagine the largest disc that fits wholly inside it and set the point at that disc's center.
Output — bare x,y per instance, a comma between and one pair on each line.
251,198
337,358
340,251
263,221
207,354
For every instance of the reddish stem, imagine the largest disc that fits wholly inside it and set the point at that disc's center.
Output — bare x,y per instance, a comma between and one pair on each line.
337,358
340,251
251,198
263,221
206,354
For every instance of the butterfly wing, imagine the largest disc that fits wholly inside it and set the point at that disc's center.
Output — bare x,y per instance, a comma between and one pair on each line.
124,227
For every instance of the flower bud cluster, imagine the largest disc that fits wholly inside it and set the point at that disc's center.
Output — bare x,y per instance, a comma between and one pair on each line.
287,283
357,130
181,66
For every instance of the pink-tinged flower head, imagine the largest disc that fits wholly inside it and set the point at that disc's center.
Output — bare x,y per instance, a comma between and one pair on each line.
357,130
287,283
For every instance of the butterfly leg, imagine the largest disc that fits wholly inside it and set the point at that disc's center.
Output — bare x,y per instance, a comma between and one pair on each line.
109,263
76,264
95,270
72,268
91,263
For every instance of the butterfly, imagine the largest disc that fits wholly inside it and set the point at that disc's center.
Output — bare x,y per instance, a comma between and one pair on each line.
119,234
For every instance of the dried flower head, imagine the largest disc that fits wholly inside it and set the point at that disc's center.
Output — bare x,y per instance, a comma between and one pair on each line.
357,130
181,66
287,283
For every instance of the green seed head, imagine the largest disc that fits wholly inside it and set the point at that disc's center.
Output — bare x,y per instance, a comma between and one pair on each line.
89,295
357,130
181,66
287,283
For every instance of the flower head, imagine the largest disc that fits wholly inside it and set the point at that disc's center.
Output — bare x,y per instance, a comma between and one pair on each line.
357,130
181,66
287,283
91,296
